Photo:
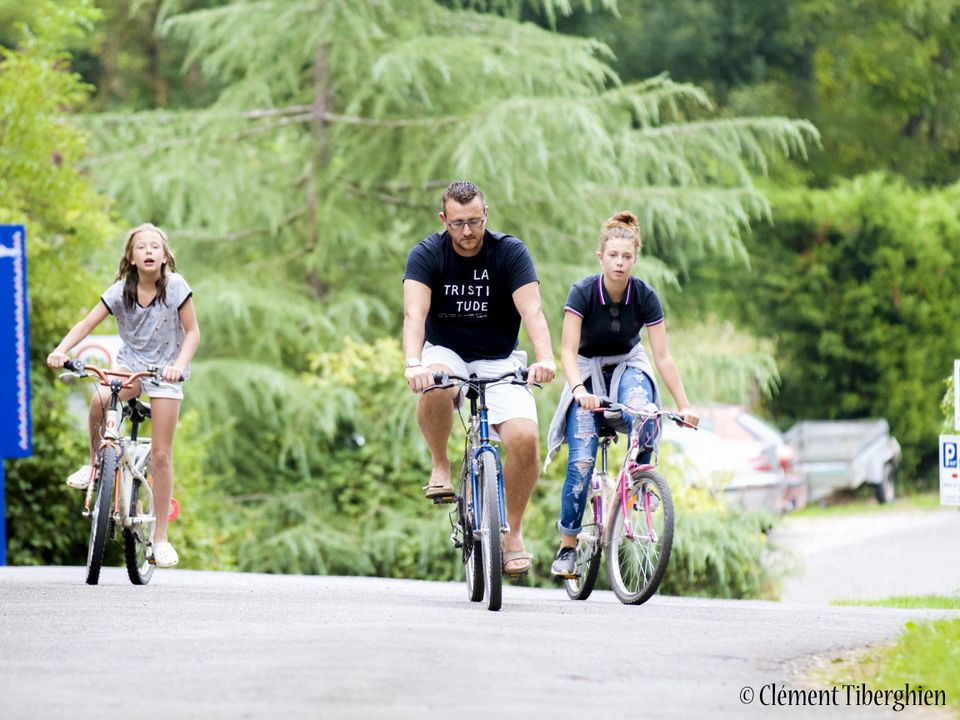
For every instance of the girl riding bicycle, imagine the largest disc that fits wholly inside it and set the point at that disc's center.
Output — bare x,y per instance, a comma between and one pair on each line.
602,356
158,326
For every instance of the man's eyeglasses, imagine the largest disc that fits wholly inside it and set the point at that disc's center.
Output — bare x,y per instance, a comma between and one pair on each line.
615,314
458,225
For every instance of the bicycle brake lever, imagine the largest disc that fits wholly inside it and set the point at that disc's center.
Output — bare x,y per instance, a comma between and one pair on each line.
522,382
437,387
678,419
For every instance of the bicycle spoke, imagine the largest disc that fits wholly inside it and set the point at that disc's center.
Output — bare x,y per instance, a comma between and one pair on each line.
638,558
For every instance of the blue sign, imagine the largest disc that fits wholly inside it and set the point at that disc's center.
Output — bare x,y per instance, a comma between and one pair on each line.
949,455
15,435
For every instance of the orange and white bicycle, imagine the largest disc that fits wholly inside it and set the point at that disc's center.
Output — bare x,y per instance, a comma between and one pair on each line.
120,496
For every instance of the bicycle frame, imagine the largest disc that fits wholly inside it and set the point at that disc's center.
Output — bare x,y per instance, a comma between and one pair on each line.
479,518
120,496
630,464
634,573
478,442
131,452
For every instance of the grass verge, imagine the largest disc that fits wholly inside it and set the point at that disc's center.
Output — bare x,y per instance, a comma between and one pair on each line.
925,657
850,503
911,602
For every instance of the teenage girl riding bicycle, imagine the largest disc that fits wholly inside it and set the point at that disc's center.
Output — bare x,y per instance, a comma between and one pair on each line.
158,326
602,356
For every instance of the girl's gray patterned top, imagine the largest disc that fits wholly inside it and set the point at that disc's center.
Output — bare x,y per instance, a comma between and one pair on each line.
152,335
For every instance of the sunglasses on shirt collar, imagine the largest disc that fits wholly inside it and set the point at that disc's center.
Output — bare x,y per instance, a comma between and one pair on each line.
615,317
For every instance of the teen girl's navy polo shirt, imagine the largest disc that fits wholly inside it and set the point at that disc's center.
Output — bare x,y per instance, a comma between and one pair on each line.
611,328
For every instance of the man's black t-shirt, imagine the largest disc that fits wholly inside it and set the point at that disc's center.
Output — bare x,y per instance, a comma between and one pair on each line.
590,300
471,305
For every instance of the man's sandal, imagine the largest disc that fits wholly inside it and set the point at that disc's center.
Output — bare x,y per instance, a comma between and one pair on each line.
440,494
514,555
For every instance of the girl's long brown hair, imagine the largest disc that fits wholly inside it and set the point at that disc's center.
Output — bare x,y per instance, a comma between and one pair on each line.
127,271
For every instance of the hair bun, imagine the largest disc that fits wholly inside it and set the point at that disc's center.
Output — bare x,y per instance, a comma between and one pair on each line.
624,218
623,225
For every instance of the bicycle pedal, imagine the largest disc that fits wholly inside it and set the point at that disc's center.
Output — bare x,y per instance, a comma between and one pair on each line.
515,576
444,500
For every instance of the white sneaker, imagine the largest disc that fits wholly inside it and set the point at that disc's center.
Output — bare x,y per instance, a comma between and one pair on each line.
164,556
81,478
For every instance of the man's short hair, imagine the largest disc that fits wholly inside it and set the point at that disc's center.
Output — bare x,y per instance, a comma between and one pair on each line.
462,192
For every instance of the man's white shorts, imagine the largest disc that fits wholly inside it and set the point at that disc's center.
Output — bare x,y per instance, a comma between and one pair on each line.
504,402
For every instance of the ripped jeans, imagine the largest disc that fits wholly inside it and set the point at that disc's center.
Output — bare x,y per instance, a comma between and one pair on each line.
635,390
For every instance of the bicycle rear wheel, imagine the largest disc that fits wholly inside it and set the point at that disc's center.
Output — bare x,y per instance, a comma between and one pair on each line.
588,563
102,510
472,560
137,537
636,562
490,525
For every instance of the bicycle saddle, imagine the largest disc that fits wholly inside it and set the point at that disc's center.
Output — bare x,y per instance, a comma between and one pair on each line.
136,411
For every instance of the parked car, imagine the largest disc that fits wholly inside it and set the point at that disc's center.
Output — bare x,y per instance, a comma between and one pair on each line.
746,455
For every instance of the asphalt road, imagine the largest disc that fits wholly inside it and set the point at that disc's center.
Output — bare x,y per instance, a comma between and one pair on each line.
871,555
225,645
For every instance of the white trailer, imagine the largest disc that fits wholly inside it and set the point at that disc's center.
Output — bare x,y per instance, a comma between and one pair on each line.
845,454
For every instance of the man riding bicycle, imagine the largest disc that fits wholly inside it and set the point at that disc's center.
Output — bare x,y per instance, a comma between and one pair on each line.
465,292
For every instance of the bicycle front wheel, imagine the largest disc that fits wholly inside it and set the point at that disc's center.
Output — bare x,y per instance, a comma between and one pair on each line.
136,538
588,563
472,560
640,540
100,516
490,525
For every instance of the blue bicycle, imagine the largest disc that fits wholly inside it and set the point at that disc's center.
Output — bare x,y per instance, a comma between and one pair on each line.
479,516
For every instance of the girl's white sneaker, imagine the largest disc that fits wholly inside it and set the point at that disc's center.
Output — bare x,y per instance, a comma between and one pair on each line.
81,478
164,556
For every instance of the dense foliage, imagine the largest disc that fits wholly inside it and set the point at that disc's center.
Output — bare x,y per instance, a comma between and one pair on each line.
66,221
877,77
854,284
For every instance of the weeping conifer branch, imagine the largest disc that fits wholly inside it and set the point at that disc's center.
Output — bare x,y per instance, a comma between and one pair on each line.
296,195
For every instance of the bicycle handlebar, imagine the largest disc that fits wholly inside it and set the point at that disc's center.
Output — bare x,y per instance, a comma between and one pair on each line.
79,369
443,380
607,404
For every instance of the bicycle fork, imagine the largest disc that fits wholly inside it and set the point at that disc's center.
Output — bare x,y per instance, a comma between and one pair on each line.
460,509
111,435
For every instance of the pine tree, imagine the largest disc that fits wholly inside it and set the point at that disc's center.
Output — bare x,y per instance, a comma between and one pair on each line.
293,198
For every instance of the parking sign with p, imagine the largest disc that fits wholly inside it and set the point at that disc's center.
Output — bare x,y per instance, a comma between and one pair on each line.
949,470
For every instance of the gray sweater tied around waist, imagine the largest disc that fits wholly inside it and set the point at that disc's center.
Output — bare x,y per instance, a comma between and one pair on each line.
592,369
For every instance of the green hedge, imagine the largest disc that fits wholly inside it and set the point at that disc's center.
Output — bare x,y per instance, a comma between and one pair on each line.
855,285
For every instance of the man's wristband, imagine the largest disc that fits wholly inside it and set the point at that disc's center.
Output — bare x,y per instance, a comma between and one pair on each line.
412,363
578,385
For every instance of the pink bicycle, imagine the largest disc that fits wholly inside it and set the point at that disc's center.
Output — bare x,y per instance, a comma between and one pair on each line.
637,529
